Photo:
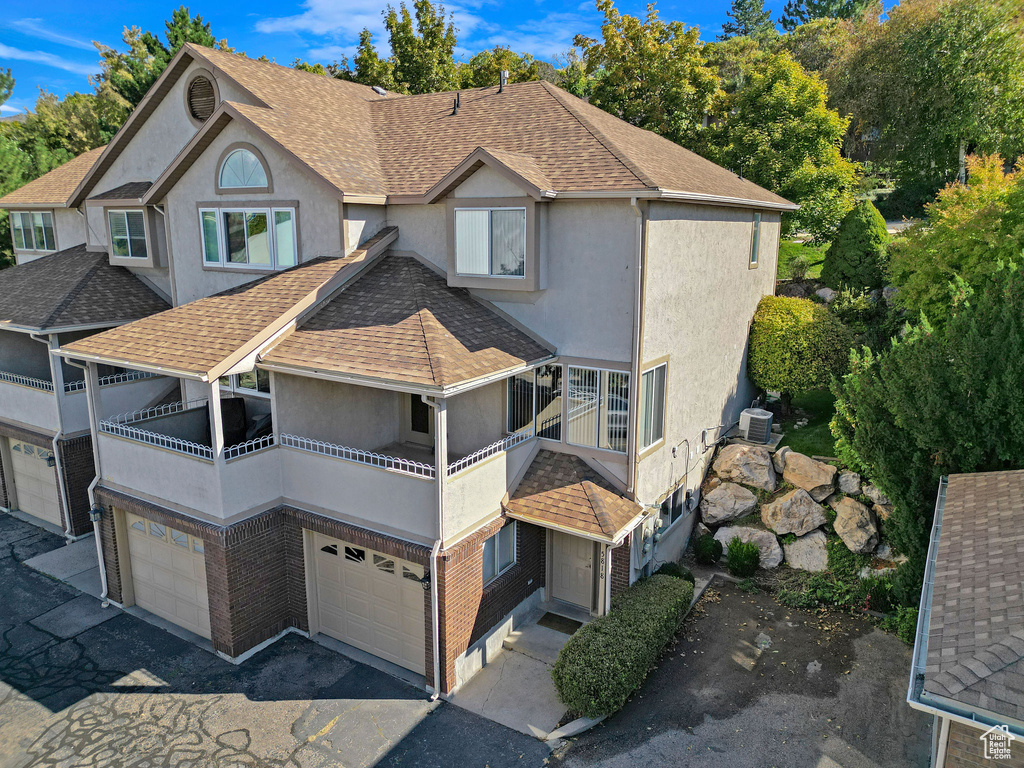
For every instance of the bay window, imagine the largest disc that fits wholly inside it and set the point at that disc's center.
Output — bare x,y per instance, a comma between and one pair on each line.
263,238
33,231
598,408
490,242
499,552
128,234
652,405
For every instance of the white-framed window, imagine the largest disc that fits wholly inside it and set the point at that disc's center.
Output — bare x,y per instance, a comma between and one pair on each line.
652,405
249,237
598,408
673,508
490,242
127,234
242,170
499,553
255,382
33,231
755,240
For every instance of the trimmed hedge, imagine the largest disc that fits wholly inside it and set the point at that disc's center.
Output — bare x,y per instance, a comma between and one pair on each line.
608,659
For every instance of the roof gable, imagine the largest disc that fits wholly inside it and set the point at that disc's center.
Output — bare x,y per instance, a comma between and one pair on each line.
57,186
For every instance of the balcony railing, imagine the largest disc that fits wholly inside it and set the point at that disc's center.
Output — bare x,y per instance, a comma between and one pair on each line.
477,456
379,460
250,446
121,426
26,381
106,381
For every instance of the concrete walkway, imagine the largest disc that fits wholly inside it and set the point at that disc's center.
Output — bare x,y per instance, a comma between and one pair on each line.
75,564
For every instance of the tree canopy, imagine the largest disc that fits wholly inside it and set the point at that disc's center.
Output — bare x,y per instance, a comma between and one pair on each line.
797,12
748,18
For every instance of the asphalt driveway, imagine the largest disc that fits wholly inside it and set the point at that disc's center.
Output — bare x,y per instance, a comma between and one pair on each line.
751,684
86,686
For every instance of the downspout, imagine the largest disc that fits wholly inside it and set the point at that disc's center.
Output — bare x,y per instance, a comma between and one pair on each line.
435,599
634,372
58,437
95,510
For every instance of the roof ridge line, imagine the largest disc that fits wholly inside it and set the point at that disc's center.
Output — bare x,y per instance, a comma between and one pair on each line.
1019,635
420,302
76,291
602,138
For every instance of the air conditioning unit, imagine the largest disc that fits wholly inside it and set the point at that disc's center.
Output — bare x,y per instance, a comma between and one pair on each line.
756,425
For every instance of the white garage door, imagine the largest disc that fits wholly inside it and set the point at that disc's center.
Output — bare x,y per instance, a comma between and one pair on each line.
169,574
35,482
370,600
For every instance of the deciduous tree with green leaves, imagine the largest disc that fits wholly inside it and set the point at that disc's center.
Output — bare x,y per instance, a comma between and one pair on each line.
484,69
653,74
423,48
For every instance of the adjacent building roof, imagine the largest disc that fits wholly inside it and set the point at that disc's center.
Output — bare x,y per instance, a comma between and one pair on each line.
54,188
73,288
563,492
204,338
132,190
401,322
975,641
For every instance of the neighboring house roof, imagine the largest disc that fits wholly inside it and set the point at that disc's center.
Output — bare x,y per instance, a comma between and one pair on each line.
400,147
205,338
73,288
54,188
975,640
401,322
132,190
563,492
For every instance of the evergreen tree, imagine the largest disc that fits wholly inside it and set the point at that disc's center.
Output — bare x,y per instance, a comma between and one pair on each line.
856,258
799,12
748,18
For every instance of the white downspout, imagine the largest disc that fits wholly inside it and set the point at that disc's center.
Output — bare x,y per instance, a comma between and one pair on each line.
441,467
92,390
58,392
634,371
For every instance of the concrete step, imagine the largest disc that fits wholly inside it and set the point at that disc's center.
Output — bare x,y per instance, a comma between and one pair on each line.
537,642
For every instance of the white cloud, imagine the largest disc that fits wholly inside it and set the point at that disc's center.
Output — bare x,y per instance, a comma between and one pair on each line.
331,53
47,59
545,37
327,17
8,109
38,28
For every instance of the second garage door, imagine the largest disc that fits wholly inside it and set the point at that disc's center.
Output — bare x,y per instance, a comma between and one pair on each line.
370,600
169,574
35,482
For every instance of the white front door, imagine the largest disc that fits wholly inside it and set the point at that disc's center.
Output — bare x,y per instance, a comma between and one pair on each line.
572,560
370,600
35,482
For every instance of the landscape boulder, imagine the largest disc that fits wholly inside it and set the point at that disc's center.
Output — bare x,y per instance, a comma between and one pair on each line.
779,459
826,294
794,290
855,525
876,496
747,464
728,501
713,482
849,483
794,512
767,544
889,294
807,553
815,477
881,512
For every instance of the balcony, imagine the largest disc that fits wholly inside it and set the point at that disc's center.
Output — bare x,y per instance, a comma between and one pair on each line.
28,400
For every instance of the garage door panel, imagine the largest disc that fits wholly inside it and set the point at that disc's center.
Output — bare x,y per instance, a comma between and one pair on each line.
376,604
35,482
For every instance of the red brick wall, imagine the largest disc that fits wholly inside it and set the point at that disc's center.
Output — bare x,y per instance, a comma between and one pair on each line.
620,566
79,470
965,750
468,609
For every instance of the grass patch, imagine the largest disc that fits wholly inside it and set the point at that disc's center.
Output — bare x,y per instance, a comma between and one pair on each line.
814,439
790,250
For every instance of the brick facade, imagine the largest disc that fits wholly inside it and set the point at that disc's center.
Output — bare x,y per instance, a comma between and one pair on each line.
79,470
621,566
965,749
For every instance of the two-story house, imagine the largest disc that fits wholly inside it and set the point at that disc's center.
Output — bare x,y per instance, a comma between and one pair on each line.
438,358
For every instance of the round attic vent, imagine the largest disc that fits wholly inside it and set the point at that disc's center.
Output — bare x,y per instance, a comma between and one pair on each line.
201,98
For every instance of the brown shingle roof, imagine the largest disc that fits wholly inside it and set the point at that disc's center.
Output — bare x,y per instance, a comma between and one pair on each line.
564,492
976,625
70,288
54,188
401,322
132,190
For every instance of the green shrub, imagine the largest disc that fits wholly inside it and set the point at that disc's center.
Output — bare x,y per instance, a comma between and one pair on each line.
707,549
869,320
856,258
608,659
796,345
842,562
744,558
902,623
676,571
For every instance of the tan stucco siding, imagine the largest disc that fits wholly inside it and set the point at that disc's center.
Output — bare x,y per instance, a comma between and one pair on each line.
70,227
701,295
476,419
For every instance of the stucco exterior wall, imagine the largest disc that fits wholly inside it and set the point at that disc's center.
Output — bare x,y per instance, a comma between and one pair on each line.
363,222
487,182
317,210
70,227
476,418
21,354
701,295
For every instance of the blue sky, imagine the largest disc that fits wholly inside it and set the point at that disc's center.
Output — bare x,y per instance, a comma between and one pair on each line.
49,45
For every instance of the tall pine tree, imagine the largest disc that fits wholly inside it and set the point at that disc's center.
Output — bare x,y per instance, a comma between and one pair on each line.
748,18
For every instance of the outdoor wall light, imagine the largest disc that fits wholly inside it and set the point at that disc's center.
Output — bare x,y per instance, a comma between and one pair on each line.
425,581
96,514
51,462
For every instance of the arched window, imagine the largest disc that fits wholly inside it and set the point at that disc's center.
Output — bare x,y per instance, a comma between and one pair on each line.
241,169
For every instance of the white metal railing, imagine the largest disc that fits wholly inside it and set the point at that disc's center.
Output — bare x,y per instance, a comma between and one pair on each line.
26,381
379,460
106,381
502,445
153,438
157,410
249,446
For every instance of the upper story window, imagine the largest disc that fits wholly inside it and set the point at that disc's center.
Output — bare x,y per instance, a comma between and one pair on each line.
255,382
755,240
33,231
128,234
490,242
652,405
242,169
263,238
598,408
